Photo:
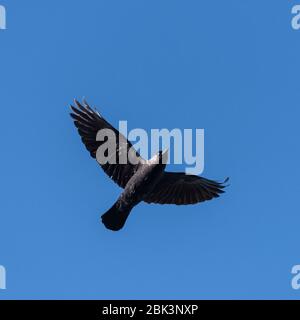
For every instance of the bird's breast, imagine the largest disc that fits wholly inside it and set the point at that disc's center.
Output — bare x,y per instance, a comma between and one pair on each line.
142,183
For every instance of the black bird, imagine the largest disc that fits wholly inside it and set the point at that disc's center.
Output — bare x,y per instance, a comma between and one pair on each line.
145,180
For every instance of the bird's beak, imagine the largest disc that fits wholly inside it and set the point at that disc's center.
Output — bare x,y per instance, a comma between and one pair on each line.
165,155
165,151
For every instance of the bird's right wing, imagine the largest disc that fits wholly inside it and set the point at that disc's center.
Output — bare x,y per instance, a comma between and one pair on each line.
180,188
88,123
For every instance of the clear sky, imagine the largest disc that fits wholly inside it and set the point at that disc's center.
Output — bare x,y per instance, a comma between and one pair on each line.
230,67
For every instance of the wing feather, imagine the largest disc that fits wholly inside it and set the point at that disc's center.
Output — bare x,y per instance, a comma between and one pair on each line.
88,122
181,189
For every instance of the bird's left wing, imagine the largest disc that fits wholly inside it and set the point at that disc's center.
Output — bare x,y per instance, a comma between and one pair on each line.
181,189
88,123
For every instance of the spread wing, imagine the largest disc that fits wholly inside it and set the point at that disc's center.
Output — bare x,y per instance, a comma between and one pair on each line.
88,123
180,188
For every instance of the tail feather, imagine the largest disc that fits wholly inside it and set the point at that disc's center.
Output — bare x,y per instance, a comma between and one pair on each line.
114,219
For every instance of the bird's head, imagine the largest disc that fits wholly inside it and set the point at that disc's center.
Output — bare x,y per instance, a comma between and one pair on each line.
160,157
163,156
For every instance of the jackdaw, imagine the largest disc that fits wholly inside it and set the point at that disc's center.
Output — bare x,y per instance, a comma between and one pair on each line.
142,180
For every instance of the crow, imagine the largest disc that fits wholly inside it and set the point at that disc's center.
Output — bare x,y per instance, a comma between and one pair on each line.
142,180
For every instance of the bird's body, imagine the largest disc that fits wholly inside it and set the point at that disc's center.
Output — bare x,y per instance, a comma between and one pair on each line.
142,180
140,185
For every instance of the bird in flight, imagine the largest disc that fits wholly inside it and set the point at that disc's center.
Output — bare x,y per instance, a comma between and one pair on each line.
142,180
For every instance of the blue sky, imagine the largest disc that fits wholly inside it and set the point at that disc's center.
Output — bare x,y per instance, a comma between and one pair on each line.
230,67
